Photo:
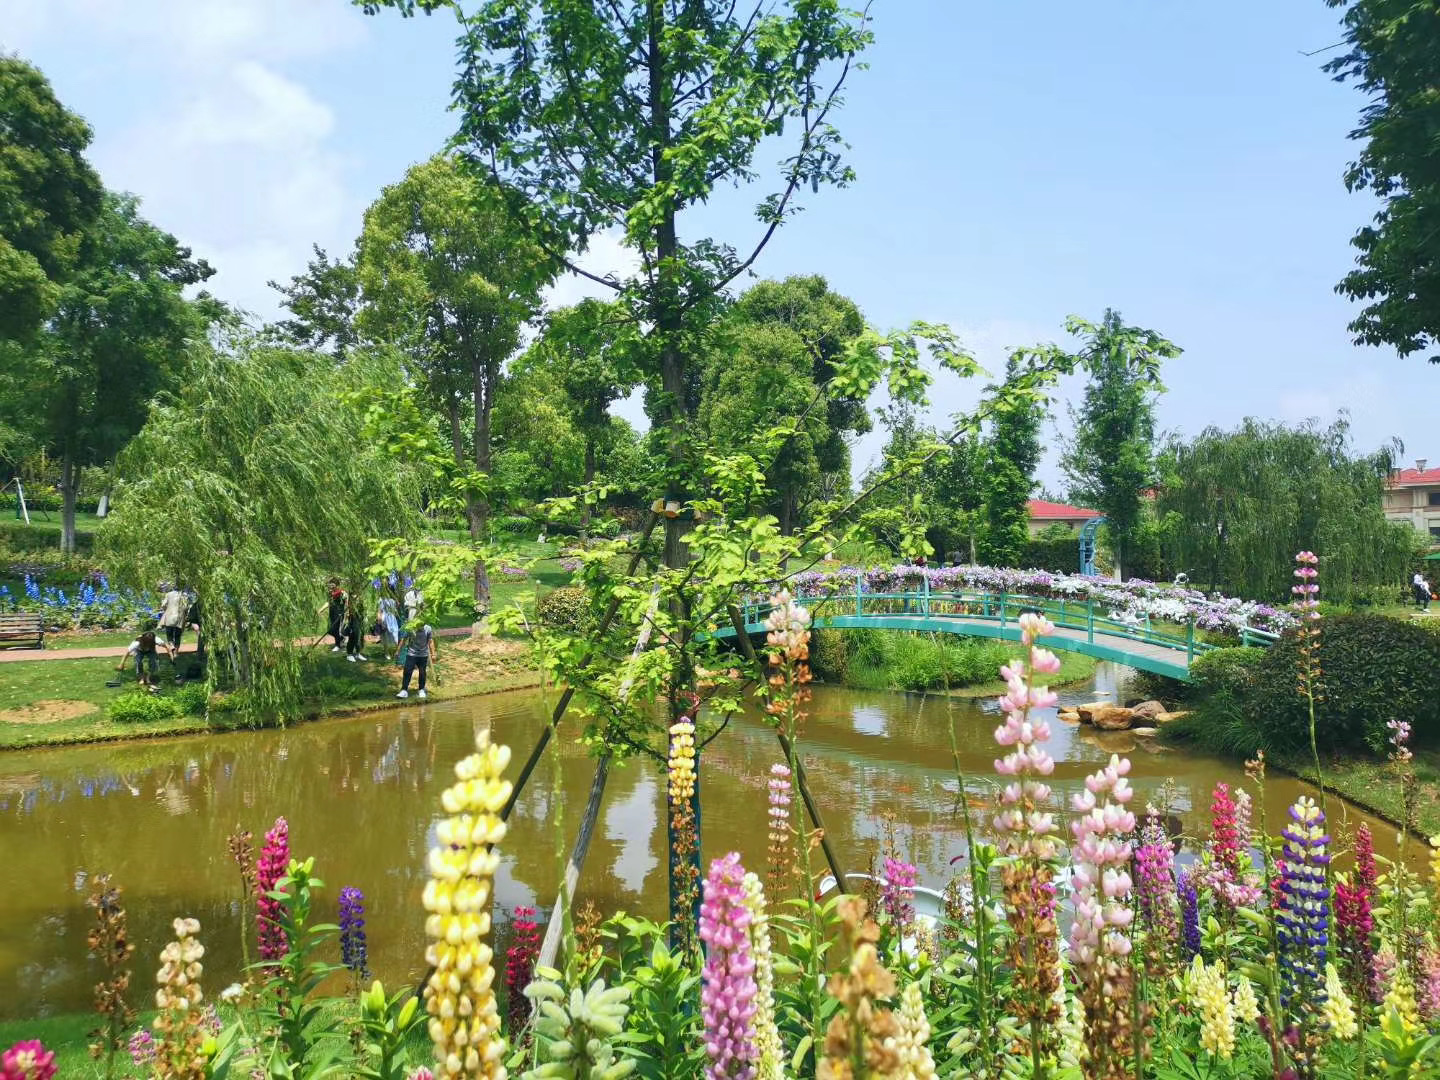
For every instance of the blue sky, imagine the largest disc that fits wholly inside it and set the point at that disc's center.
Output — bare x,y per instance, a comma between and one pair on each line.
1017,162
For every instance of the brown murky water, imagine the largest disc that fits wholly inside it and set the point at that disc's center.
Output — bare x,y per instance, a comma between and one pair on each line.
362,796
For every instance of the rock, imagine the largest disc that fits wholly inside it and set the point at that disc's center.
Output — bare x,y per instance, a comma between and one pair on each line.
1068,716
1113,718
1147,709
1150,746
1144,732
1112,742
1087,712
1167,717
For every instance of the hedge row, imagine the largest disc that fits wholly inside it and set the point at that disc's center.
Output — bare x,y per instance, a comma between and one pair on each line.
20,538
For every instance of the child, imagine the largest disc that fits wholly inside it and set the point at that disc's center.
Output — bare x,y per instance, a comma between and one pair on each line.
145,649
418,654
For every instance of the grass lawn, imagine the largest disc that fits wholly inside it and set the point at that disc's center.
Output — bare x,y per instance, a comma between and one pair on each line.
1375,786
1074,668
50,519
63,701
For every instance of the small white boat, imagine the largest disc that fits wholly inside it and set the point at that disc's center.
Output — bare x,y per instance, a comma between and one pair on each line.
929,904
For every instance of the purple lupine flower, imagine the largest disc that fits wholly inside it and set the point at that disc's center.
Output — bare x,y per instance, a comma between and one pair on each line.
354,950
898,896
269,869
727,995
1189,915
142,1048
1155,884
1302,915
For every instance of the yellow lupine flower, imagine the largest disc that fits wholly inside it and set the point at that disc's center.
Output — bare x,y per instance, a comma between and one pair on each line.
682,760
916,1062
1338,1012
771,1063
464,1021
1400,1000
1244,1002
1217,1015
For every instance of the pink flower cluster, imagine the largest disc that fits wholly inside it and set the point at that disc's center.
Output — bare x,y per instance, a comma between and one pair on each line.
27,1060
1354,919
1024,829
898,896
727,995
1101,877
273,863
1227,870
779,786
1399,740
1308,589
1155,882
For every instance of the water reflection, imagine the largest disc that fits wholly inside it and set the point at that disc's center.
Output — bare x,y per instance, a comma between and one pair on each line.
362,794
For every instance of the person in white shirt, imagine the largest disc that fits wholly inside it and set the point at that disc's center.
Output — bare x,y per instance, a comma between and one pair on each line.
173,607
414,598
1421,588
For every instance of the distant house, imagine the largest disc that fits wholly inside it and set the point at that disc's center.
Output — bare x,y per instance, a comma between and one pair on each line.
1413,495
1043,514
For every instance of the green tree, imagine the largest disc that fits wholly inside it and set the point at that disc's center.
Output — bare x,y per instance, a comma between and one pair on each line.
625,115
1012,452
118,336
776,358
591,350
539,448
446,277
1393,54
323,302
256,470
1237,506
49,196
1110,460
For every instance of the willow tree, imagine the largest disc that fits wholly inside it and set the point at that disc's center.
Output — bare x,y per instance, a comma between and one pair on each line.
253,484
1239,504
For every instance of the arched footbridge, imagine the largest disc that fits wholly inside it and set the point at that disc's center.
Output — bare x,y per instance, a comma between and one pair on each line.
1165,648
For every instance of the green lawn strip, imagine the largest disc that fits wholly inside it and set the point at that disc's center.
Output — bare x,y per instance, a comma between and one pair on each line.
1074,668
1374,785
338,687
68,1036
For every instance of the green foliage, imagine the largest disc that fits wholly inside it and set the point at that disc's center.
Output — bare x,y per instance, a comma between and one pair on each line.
895,659
1012,452
259,471
323,303
1238,505
386,1024
39,539
566,608
1375,669
51,196
1056,549
1109,462
192,699
142,707
1392,54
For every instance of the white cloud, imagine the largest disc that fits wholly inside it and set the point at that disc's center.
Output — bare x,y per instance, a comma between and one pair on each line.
607,256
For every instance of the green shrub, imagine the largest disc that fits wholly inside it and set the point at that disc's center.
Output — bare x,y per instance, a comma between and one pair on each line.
1058,554
192,699
513,525
608,527
830,654
565,608
1375,668
143,706
19,537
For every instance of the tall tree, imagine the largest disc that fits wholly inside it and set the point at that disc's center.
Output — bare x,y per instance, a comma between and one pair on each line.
1393,55
1110,460
625,115
446,277
592,351
1238,504
323,303
118,336
49,196
255,470
1012,452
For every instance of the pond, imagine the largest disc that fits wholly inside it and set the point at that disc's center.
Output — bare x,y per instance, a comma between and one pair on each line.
362,794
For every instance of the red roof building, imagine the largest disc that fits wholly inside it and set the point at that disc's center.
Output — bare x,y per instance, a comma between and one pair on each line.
1413,495
1044,513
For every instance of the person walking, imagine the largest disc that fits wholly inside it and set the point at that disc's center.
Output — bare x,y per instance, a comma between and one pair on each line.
354,627
173,607
414,598
336,614
418,654
1421,588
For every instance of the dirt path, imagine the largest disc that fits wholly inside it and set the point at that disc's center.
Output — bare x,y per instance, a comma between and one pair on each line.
12,656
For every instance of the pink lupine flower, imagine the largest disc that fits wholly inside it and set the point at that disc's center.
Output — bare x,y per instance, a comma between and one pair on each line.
1155,884
898,896
27,1060
273,863
727,995
1354,920
1228,871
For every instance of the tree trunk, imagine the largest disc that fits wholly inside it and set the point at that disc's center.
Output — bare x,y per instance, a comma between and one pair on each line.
787,511
457,440
589,479
478,507
69,482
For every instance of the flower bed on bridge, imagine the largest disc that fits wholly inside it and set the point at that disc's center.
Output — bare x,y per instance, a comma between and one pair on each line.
1134,599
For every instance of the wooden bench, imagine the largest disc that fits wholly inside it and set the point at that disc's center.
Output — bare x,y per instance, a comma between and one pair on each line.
20,626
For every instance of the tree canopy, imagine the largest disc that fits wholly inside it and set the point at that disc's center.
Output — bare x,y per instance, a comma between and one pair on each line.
1393,53
1110,459
49,196
1012,453
1238,505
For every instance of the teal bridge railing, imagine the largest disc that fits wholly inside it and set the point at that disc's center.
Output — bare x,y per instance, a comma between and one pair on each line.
1165,648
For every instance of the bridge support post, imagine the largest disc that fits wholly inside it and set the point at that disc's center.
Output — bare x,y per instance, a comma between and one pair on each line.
1090,620
1190,642
1002,611
859,591
925,594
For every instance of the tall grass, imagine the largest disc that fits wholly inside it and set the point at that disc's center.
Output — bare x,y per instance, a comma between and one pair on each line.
899,660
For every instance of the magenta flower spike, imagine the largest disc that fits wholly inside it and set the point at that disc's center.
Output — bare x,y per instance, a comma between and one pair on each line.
272,865
727,995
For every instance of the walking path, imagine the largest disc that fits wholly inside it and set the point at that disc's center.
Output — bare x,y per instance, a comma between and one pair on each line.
13,656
